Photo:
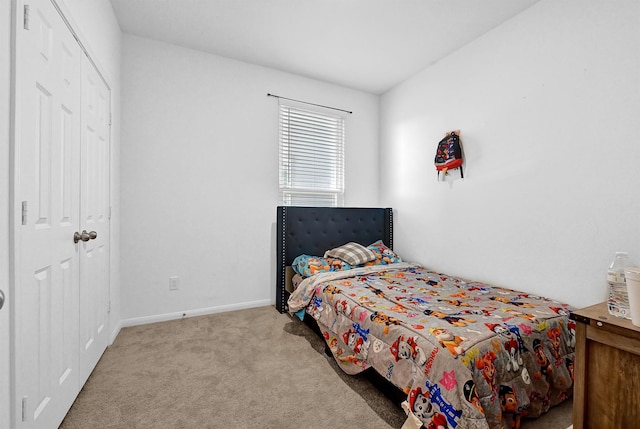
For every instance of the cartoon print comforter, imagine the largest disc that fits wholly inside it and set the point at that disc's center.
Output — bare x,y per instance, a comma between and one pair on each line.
468,355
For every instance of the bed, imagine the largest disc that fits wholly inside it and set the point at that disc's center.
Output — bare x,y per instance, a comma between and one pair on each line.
466,354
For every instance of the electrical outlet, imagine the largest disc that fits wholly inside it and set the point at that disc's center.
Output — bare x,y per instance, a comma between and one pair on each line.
174,283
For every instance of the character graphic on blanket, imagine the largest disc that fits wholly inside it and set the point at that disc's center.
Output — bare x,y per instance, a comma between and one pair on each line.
513,302
408,349
342,306
450,318
471,395
422,407
486,365
353,340
514,359
331,291
446,338
554,335
513,346
332,342
569,364
541,359
572,334
509,404
317,265
383,319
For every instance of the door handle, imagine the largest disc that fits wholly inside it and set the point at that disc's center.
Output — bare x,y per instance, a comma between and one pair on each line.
1,299
84,235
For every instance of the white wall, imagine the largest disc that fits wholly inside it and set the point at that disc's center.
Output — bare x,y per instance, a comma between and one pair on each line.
199,175
99,30
548,105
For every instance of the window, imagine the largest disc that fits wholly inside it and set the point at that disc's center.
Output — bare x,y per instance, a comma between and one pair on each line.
311,157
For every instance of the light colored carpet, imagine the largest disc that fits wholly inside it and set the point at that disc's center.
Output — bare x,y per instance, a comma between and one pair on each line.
242,369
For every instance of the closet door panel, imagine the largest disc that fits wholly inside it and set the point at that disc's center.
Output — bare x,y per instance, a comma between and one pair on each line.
94,218
48,61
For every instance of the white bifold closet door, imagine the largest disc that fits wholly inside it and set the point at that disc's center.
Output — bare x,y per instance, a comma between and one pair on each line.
94,218
62,185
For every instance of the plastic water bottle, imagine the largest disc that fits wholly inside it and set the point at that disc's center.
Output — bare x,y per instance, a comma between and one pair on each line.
618,301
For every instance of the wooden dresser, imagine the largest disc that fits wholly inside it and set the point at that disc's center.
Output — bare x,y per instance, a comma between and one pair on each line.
607,370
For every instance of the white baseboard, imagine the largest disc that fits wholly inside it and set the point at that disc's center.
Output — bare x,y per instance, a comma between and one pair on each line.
115,332
191,313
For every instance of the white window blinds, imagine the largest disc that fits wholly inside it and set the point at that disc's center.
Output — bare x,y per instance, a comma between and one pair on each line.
311,157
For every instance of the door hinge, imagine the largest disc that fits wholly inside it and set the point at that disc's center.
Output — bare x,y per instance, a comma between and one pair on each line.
24,408
24,212
26,17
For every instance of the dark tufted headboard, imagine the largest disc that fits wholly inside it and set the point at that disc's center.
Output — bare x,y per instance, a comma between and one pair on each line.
313,230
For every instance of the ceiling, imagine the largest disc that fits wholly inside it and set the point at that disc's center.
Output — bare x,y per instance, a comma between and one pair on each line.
369,45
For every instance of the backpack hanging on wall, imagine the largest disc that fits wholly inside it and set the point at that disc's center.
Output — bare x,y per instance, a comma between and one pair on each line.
449,154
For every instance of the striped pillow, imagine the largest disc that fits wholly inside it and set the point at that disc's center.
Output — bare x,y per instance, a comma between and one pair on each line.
351,253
